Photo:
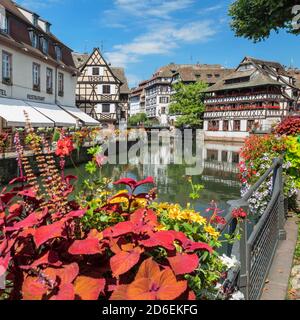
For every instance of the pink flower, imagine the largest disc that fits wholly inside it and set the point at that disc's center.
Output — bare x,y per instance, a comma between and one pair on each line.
100,160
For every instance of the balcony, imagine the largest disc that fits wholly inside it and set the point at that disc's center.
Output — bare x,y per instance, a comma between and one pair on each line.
239,108
243,98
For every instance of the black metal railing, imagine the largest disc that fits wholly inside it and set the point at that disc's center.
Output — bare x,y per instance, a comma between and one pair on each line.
259,241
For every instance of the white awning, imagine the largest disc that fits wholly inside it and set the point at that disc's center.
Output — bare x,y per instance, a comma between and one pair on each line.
12,111
60,117
81,116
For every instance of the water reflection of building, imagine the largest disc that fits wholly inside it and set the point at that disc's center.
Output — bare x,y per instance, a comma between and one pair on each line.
220,162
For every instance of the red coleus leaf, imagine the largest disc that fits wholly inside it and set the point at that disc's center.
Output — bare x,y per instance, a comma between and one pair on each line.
28,222
4,263
152,284
75,214
127,181
148,180
50,259
124,261
30,193
45,233
15,209
87,288
119,229
144,217
133,184
66,292
87,246
163,239
33,288
184,263
189,245
66,274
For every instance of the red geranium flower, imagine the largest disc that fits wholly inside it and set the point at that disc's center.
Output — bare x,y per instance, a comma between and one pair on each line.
64,147
239,213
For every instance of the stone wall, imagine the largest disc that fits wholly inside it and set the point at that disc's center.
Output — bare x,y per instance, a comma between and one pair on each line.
9,169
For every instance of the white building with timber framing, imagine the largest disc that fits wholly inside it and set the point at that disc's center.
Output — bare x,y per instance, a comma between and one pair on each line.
37,73
102,90
256,96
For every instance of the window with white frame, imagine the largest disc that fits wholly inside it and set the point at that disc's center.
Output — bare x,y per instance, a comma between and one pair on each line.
36,76
34,39
6,67
49,80
58,53
3,21
44,45
60,84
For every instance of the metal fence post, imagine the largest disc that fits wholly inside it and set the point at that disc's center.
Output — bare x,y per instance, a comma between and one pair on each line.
281,211
244,284
244,259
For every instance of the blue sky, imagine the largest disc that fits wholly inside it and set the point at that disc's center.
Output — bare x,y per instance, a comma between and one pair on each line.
142,35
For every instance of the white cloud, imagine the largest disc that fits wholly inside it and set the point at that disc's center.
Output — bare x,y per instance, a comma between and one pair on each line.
161,41
154,8
37,4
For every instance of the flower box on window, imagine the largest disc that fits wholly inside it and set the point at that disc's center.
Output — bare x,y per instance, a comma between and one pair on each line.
7,81
36,87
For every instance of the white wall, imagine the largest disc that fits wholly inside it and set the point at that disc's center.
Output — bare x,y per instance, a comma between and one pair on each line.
22,79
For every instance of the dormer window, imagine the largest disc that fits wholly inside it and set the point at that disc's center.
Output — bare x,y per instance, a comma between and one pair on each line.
48,25
35,20
58,53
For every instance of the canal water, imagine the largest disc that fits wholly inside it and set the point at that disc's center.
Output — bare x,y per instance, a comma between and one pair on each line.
218,173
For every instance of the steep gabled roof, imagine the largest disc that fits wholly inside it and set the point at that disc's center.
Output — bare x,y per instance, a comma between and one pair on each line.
263,73
80,59
120,74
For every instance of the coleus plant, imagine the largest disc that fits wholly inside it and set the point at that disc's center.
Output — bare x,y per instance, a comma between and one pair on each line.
47,256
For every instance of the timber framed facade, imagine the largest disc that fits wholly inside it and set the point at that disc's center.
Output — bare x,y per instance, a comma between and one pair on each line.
102,91
256,96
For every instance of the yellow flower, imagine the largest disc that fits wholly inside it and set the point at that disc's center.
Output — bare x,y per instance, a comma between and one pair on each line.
161,228
139,203
195,217
120,199
211,231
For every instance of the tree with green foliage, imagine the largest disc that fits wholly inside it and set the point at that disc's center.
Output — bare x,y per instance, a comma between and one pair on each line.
255,19
188,103
137,119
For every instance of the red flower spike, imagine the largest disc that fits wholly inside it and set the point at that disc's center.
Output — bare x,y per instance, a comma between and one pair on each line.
184,263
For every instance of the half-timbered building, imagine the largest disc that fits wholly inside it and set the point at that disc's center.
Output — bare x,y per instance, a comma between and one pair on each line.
256,96
102,90
159,89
